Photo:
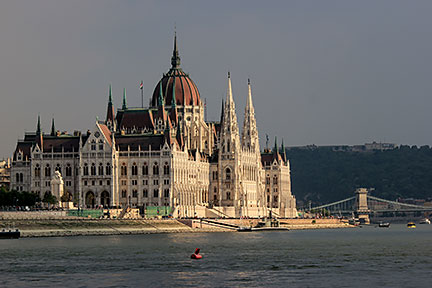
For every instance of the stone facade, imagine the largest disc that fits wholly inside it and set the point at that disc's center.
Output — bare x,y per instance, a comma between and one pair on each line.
164,155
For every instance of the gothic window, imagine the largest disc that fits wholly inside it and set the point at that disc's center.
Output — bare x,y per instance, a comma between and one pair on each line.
228,174
101,145
93,145
268,180
228,195
85,170
275,199
93,169
166,192
145,193
123,169
156,193
17,177
134,169
58,168
135,193
37,171
145,169
228,146
275,180
215,197
155,169
215,175
47,171
166,169
68,170
124,193
101,172
108,169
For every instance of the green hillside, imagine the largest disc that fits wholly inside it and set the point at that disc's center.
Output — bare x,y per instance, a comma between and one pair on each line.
322,175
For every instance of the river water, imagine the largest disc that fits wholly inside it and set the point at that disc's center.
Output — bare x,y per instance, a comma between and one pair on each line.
358,257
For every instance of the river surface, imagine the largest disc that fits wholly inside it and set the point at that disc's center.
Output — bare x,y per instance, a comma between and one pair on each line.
357,257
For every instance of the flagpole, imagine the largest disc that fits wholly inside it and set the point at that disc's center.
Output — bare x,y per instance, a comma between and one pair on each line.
142,94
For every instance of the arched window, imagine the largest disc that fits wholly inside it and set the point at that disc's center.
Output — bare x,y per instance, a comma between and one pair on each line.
228,174
155,169
85,170
145,193
93,145
58,168
123,169
275,179
155,193
68,170
145,169
37,170
228,195
101,145
134,169
166,169
93,169
228,146
17,177
108,169
101,172
47,171
166,193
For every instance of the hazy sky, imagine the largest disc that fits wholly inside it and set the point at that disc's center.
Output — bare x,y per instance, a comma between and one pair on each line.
322,72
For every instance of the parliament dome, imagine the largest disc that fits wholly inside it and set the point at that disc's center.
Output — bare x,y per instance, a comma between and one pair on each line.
177,85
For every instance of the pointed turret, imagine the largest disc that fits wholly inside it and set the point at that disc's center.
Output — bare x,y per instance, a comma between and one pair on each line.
222,111
53,130
109,121
175,59
38,126
275,148
124,106
250,139
39,134
284,157
229,130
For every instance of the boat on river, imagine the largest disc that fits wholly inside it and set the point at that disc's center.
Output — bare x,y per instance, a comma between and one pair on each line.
10,234
384,224
411,225
425,221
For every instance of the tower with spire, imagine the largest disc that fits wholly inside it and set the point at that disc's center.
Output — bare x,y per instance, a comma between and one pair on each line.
229,153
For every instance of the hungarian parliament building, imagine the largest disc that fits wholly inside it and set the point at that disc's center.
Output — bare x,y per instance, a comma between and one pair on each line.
165,155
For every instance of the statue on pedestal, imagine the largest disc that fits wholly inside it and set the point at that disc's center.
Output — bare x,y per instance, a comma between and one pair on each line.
57,185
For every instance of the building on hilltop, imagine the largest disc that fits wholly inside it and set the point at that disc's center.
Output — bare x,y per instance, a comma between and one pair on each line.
166,155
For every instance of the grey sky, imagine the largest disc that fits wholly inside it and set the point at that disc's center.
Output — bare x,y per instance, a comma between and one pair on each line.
322,72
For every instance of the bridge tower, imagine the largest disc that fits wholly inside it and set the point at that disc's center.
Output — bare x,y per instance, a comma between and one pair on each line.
361,208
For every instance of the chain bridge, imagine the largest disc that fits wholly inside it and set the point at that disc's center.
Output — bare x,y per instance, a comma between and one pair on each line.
364,205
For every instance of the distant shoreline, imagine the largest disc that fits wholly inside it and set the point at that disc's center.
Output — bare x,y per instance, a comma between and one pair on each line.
100,227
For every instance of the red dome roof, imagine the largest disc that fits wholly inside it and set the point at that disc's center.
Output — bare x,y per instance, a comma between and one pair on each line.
186,92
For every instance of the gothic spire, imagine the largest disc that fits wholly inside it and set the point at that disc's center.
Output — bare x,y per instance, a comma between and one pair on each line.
110,109
229,97
222,112
53,130
250,132
38,129
283,152
124,107
175,59
275,149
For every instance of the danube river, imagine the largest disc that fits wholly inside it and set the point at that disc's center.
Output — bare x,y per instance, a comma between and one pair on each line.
358,257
